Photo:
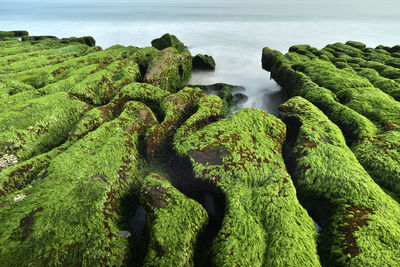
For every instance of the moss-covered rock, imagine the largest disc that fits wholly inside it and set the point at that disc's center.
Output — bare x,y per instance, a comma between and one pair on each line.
169,69
359,221
20,33
35,126
226,92
38,38
168,40
361,101
174,220
77,221
87,40
143,57
263,222
203,62
175,109
4,35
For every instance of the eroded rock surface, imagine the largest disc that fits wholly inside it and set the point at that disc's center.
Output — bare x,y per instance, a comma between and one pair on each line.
93,141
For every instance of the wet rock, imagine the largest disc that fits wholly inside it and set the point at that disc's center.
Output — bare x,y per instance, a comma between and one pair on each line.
240,155
225,92
20,33
87,40
240,97
340,194
7,160
38,38
203,62
363,101
4,35
125,234
168,40
169,69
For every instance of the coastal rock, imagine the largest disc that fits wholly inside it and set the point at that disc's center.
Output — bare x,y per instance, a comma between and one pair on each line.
358,219
361,101
38,38
235,155
4,35
226,93
169,69
168,40
203,62
175,223
240,97
87,40
20,33
108,158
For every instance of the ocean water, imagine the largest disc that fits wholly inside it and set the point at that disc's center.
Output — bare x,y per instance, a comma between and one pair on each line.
233,32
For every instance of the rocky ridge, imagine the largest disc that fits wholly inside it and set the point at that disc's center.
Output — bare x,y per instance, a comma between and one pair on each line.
92,138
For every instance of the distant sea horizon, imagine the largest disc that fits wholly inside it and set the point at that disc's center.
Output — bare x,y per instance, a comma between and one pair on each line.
233,32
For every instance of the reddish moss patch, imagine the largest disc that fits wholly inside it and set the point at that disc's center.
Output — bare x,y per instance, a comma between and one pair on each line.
355,218
24,229
309,144
211,156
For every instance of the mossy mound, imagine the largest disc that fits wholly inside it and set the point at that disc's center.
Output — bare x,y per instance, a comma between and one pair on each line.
228,93
82,136
359,221
240,156
357,89
203,62
107,157
169,69
168,40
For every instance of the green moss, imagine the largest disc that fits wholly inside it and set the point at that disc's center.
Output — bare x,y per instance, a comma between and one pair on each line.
224,91
38,38
20,33
87,40
37,125
77,222
168,40
305,50
388,86
208,111
6,35
354,125
169,69
4,44
12,87
362,227
175,109
143,57
49,74
263,224
17,47
364,99
380,156
203,62
19,63
356,44
100,87
353,91
174,220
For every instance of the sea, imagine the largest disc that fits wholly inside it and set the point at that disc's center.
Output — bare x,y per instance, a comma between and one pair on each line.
233,32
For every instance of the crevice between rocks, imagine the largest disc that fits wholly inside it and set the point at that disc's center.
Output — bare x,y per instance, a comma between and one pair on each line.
209,196
318,209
